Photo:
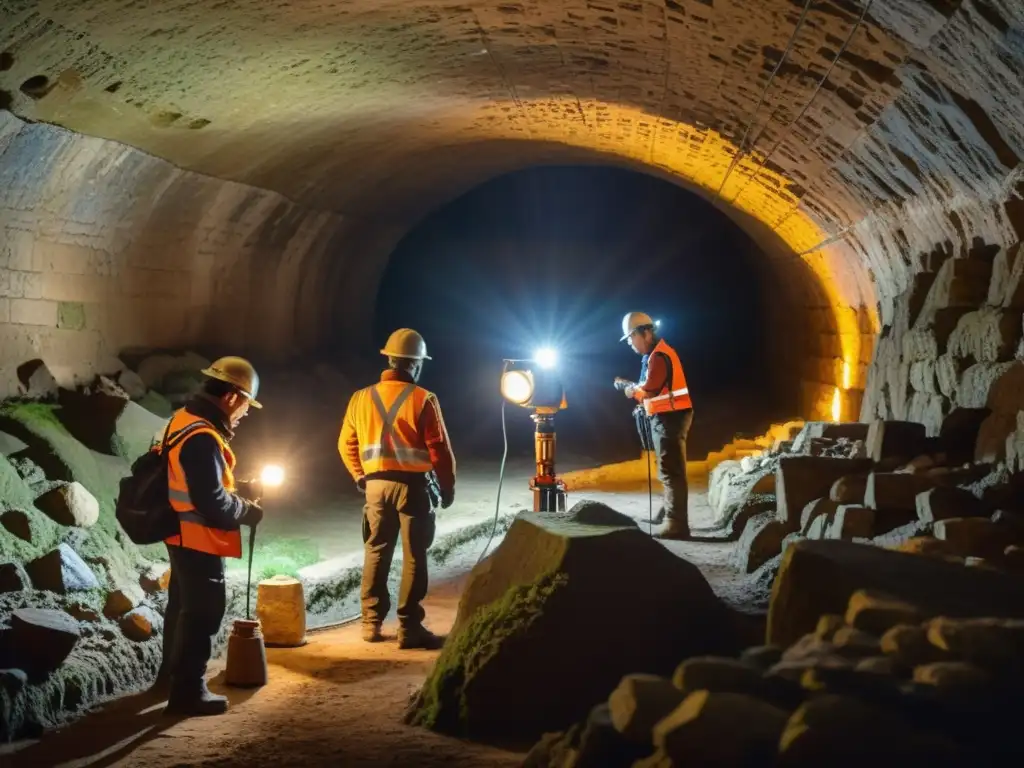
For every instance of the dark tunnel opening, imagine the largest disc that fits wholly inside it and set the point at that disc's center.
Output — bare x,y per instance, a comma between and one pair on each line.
554,256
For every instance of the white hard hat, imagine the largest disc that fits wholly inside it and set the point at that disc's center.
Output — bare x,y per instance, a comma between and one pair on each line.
632,321
405,342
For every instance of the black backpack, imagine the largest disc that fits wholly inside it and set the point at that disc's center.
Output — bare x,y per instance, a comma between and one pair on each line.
143,508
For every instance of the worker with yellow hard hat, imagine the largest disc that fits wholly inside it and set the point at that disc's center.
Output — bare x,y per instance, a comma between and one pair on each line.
664,403
211,507
392,440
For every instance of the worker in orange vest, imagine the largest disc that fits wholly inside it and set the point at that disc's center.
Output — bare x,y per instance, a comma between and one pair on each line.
665,398
393,435
211,508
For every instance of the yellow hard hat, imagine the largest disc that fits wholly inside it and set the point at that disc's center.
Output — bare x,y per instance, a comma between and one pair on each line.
239,373
634,320
405,342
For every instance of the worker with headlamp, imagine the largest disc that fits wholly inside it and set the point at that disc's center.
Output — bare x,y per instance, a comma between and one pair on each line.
664,402
392,439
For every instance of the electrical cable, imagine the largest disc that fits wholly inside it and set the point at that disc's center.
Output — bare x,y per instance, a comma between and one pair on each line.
501,478
741,148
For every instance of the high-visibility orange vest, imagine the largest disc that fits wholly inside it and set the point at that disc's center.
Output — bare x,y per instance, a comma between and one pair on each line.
195,533
675,395
386,417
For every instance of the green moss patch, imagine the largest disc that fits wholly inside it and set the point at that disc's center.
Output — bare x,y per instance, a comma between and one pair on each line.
14,491
274,557
442,703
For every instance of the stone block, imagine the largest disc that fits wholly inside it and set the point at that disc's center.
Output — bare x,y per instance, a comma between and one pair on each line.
818,577
948,370
719,675
12,578
110,424
889,439
760,541
974,536
990,643
801,479
909,646
922,377
61,571
814,509
42,639
552,576
281,609
895,490
956,676
929,410
70,505
987,335
959,433
849,489
140,624
1006,288
723,728
34,312
945,502
828,625
876,612
851,522
850,641
639,702
976,383
818,527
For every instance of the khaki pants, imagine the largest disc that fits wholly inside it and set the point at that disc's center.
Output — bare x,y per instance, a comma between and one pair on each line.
668,435
396,508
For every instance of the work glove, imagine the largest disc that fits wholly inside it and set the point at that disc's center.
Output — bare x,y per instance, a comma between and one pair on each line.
253,514
447,498
361,484
620,384
250,490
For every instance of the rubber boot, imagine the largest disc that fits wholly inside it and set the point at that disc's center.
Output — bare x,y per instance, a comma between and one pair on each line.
418,637
196,704
676,530
371,632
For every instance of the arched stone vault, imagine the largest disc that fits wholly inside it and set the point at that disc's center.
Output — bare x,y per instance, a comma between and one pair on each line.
850,138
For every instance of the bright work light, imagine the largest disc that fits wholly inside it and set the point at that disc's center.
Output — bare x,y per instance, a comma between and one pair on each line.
272,476
545,357
517,387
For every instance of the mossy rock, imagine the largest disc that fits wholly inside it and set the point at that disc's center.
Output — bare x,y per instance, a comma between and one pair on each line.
109,424
14,491
553,619
157,404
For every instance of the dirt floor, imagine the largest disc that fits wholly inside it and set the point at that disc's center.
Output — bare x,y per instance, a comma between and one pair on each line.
337,700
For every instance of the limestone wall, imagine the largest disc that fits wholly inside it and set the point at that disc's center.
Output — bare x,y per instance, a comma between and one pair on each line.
104,247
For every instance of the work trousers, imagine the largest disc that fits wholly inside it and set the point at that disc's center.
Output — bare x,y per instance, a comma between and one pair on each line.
668,436
396,508
196,602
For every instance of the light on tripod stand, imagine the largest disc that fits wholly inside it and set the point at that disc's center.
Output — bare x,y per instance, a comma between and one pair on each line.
540,390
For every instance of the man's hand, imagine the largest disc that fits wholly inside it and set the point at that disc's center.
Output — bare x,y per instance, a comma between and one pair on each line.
253,515
621,383
447,498
250,490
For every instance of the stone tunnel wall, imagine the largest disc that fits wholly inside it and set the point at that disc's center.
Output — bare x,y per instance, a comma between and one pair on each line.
103,247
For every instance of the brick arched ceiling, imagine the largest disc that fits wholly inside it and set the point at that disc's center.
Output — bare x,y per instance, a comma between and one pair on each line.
856,134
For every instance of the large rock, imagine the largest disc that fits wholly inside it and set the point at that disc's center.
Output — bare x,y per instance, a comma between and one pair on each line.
721,729
281,609
109,423
36,382
760,541
639,702
849,489
42,639
70,505
12,578
132,384
959,433
61,570
819,577
524,637
975,536
945,502
801,479
851,521
890,439
895,490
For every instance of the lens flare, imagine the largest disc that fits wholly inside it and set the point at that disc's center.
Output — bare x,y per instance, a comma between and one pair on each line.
272,476
545,357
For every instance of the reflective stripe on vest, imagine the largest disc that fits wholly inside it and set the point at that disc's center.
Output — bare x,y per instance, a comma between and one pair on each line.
387,425
195,532
675,395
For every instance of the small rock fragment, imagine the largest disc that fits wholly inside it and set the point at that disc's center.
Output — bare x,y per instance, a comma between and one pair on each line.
639,702
70,505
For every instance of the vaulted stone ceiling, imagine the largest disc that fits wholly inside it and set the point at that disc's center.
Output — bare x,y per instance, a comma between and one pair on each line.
855,134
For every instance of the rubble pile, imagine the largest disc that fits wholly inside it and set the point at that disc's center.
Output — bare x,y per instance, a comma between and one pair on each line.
876,677
885,482
552,619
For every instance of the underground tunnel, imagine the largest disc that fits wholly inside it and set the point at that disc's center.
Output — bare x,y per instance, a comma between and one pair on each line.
182,181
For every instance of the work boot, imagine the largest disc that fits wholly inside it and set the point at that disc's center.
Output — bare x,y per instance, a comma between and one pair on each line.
675,530
659,516
197,704
418,637
371,632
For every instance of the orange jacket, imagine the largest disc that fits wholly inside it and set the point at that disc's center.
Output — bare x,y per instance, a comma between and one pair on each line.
195,532
412,439
662,392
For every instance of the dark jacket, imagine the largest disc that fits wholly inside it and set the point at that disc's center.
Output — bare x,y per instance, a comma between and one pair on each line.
203,465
